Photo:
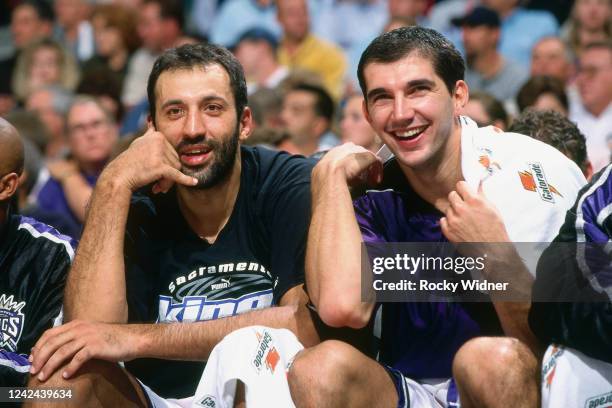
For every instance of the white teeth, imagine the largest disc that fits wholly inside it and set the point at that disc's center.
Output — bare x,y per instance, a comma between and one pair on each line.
411,133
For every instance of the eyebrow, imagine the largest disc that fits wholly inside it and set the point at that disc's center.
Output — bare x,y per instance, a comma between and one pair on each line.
208,98
410,84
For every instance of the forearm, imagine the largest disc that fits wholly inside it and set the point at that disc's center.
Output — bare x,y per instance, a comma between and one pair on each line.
195,341
77,193
333,261
98,275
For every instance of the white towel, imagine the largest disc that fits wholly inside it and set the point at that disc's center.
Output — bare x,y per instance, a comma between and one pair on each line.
259,357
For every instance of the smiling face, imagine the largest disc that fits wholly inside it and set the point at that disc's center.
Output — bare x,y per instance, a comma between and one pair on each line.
411,109
195,110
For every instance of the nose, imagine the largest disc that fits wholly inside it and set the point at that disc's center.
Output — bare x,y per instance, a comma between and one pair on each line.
194,125
403,110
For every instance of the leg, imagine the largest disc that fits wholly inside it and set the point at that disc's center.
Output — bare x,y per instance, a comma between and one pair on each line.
496,372
335,374
97,384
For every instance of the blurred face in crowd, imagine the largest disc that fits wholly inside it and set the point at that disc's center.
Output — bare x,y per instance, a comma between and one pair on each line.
479,39
69,13
411,109
477,112
45,69
150,27
592,14
354,126
41,102
548,101
407,8
249,52
549,57
108,38
196,111
91,134
300,117
293,17
26,25
595,79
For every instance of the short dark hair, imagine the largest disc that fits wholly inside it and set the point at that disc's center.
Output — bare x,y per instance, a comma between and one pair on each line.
170,9
537,86
324,104
192,56
42,8
553,129
395,45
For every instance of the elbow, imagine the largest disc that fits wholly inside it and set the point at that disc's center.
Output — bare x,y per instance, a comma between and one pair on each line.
339,313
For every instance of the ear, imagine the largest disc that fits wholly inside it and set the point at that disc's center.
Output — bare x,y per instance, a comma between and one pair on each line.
461,94
8,186
364,109
246,124
588,170
150,123
319,125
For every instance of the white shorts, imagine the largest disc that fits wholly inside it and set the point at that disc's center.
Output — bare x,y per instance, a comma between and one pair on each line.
155,401
424,394
572,379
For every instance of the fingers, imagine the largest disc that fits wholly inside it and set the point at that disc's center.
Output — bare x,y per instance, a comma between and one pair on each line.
63,354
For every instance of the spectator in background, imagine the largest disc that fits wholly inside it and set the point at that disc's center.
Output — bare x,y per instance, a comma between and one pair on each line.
277,139
308,112
590,21
594,114
51,104
550,56
355,128
30,21
543,93
105,86
521,28
236,16
485,110
43,63
159,27
116,39
73,28
256,51
92,133
487,70
558,131
361,20
266,105
300,48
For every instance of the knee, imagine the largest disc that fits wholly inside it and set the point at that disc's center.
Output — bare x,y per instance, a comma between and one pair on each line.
321,370
485,358
82,385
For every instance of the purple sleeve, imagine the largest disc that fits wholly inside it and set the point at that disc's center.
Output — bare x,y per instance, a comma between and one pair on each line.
365,211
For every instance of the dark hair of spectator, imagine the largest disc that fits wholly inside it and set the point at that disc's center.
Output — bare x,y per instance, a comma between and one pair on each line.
537,86
42,8
427,43
494,108
192,56
124,20
553,129
100,81
324,104
169,9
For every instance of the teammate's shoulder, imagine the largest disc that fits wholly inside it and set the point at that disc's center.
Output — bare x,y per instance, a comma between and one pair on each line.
42,236
267,163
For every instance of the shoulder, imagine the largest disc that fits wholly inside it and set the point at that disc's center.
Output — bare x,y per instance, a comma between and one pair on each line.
274,168
41,239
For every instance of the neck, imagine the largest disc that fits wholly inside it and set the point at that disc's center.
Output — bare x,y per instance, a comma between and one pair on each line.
309,147
291,44
488,63
207,211
505,12
92,169
434,181
598,109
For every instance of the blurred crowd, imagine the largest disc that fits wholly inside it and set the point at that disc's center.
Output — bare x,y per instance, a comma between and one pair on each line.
73,74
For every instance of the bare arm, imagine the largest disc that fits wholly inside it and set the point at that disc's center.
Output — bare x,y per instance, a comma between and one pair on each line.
472,218
98,272
333,262
75,187
80,341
